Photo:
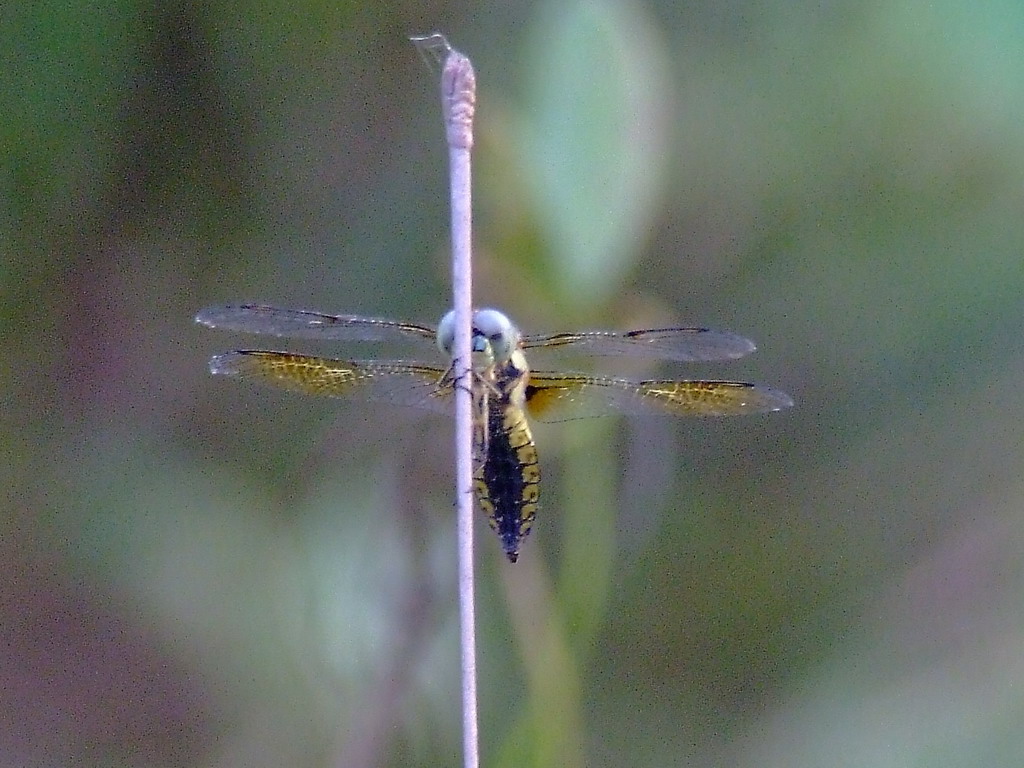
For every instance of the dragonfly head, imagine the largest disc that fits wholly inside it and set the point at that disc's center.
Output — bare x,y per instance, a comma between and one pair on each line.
494,335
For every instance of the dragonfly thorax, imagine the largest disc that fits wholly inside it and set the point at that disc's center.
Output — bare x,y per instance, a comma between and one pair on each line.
494,336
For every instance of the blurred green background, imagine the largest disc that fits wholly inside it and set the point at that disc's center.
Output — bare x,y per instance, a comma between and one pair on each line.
197,572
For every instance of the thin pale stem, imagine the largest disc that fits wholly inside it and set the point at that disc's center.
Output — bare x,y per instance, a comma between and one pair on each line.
458,99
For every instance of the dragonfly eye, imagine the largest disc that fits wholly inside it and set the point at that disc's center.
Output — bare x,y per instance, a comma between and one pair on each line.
492,332
498,330
446,336
445,333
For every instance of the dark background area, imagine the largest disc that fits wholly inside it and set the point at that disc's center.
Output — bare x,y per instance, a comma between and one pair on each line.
195,571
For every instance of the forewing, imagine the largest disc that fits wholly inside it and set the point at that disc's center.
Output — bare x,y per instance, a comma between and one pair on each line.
411,384
300,324
558,397
680,344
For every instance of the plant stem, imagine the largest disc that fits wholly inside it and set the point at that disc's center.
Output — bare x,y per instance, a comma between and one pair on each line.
458,99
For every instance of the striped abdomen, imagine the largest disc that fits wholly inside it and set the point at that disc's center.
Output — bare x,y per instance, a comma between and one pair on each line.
507,483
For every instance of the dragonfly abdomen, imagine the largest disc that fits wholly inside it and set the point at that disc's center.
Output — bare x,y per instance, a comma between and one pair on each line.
507,484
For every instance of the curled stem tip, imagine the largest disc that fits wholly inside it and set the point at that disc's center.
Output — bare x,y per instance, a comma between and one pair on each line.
434,49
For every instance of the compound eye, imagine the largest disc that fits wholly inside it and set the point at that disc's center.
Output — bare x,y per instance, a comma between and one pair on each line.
479,342
492,331
498,330
446,333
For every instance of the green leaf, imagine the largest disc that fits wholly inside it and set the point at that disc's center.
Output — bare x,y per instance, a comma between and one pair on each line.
595,116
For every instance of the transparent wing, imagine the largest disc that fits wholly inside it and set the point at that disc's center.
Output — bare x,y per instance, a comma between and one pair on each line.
300,324
682,344
558,397
420,386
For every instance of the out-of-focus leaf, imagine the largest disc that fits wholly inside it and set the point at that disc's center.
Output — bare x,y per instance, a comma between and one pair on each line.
594,138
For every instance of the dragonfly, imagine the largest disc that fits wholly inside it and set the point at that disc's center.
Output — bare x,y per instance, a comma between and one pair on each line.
506,394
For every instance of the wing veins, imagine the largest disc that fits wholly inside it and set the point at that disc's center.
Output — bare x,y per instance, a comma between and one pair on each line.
303,324
677,344
581,395
397,382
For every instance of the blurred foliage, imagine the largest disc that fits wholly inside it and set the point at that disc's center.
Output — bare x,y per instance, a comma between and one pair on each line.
197,573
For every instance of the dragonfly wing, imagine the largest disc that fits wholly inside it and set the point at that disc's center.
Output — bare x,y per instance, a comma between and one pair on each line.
411,384
558,397
681,344
300,324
